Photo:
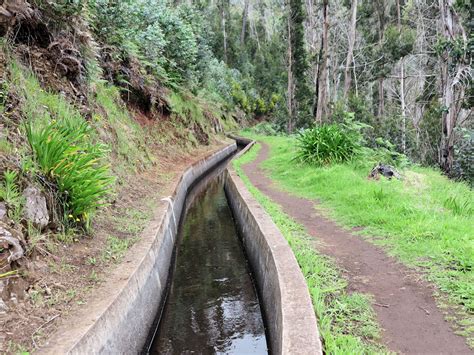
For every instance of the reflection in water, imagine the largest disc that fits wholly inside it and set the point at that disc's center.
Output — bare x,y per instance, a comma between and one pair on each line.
212,306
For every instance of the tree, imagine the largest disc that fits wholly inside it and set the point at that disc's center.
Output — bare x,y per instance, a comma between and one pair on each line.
298,91
290,94
224,5
453,70
350,48
244,21
322,90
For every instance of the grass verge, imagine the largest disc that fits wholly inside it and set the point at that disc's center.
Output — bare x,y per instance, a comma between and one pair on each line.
425,220
346,322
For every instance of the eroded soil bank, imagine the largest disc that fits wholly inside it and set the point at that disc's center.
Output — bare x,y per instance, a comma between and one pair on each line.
405,307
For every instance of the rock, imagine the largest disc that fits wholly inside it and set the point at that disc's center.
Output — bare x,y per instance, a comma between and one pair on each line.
384,170
3,307
36,210
3,210
11,243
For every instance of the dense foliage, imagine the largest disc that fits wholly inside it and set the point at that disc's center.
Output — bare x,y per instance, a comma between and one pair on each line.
175,43
404,68
326,144
67,155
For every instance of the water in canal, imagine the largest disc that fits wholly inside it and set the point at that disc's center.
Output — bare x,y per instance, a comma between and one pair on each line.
212,305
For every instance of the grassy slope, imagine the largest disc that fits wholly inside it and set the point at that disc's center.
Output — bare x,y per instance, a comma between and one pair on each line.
135,153
346,322
425,220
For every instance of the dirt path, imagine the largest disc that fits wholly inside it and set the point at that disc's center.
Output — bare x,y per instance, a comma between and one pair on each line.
406,310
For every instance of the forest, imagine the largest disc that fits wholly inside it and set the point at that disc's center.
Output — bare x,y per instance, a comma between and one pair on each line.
104,103
403,68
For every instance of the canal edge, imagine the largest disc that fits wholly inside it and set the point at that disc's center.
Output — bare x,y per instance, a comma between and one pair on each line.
119,321
286,301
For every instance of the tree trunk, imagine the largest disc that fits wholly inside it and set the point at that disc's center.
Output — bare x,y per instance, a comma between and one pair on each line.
350,49
244,22
452,90
380,8
402,84
224,32
381,107
322,106
446,154
403,105
291,83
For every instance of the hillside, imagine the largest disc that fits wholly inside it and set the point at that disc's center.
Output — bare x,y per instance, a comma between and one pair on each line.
90,137
104,103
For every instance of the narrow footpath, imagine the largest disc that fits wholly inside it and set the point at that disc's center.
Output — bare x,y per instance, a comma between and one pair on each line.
405,307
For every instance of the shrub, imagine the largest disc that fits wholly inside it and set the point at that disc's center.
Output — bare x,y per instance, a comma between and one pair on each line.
265,128
60,9
326,144
66,154
385,152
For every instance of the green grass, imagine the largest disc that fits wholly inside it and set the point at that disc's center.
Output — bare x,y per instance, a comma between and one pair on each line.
346,321
128,138
425,220
325,145
116,248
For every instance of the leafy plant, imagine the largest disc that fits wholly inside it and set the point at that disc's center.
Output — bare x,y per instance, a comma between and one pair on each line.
464,155
265,128
326,144
10,193
385,152
66,154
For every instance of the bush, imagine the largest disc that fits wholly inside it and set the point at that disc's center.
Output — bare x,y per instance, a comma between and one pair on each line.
66,154
326,144
159,35
464,155
61,9
265,128
386,153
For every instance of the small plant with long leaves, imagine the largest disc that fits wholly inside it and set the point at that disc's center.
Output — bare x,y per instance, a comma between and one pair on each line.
67,155
326,145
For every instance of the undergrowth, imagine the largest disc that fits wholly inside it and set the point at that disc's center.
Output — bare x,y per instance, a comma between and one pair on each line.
65,149
426,220
11,195
128,139
347,322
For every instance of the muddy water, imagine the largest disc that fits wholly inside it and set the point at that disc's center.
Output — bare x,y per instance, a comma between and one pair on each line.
212,305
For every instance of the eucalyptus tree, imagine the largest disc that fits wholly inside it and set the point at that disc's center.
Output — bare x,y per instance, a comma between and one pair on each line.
351,37
456,76
321,107
298,91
